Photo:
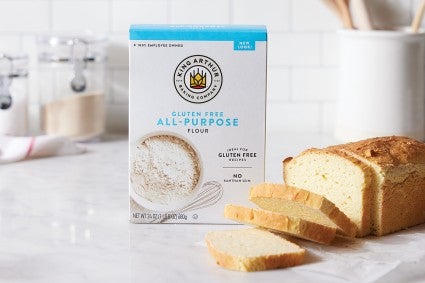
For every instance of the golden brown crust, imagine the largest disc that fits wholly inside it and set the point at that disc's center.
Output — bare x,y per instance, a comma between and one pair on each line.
403,205
388,151
308,199
296,227
259,263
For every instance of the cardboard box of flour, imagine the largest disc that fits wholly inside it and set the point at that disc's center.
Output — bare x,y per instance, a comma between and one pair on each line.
197,120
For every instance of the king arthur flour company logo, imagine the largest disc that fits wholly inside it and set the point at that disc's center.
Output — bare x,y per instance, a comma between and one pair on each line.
198,79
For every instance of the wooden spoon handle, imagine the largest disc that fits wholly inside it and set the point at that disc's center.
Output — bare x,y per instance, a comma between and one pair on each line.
361,15
333,7
418,17
345,12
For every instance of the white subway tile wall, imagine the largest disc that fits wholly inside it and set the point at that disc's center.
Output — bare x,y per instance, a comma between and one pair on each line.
303,46
73,15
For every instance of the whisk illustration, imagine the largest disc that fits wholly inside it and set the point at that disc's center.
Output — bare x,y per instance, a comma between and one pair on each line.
210,193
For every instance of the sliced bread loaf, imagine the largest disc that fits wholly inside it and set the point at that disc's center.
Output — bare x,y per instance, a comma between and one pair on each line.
398,164
379,183
296,202
341,178
252,250
279,222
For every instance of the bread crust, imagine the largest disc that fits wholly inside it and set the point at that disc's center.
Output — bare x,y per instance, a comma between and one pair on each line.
403,205
278,222
259,263
306,198
388,152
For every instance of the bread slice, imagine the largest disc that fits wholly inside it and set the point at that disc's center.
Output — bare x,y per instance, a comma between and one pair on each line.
296,202
398,164
341,178
293,226
252,250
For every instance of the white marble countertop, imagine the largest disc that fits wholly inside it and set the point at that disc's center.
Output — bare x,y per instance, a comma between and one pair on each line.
65,219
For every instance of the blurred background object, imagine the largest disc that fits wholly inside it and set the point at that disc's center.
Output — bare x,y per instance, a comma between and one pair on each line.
71,79
13,94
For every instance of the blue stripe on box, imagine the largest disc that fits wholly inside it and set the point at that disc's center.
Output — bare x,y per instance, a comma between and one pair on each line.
244,37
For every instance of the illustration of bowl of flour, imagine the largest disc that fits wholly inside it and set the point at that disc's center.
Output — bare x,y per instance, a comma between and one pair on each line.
165,171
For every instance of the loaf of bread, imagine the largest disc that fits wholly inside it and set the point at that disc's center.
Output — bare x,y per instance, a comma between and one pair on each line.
301,203
293,226
252,250
379,183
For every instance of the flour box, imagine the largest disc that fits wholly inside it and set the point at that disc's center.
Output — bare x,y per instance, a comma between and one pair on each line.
197,120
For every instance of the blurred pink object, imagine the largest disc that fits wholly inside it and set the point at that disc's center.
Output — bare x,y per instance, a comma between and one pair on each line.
14,149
